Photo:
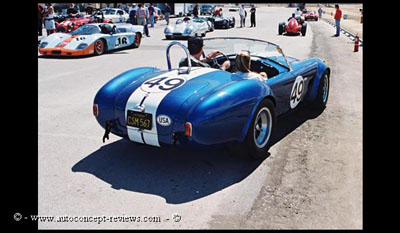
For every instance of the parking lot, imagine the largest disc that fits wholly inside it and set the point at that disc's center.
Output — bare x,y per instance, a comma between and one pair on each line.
311,179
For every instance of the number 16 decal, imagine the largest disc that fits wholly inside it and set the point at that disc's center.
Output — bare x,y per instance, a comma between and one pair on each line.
297,91
121,41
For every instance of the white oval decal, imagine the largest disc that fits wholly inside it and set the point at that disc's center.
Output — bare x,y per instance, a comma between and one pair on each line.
164,120
297,92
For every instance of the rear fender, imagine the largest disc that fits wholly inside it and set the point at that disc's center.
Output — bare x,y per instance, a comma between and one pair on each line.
105,97
225,115
321,68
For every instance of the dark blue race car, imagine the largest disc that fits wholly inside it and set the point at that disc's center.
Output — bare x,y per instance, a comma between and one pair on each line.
203,107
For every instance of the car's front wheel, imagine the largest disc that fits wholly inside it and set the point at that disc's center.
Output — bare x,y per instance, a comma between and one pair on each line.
99,47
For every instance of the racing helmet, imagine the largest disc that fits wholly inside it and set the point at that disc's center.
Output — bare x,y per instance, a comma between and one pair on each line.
106,28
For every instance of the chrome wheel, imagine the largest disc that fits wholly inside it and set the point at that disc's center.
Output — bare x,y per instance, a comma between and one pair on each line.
262,127
325,88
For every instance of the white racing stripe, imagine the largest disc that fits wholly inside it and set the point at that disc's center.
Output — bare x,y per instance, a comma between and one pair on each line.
153,100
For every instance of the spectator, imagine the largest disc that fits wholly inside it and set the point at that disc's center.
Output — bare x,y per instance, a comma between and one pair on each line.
132,15
167,11
217,12
320,12
89,9
40,19
297,14
72,12
126,8
253,16
196,11
243,61
151,13
147,19
49,20
337,17
195,47
242,14
140,14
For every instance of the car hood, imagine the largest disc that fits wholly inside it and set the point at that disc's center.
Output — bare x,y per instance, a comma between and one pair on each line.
181,27
67,41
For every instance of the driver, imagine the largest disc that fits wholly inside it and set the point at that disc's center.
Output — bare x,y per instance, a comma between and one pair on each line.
293,17
195,46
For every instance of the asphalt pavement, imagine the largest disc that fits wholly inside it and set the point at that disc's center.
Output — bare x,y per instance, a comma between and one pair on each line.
311,179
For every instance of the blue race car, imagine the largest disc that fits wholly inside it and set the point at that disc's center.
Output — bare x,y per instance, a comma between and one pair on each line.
96,38
202,107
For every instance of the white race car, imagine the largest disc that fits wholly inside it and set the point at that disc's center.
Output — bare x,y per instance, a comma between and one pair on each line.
115,15
187,27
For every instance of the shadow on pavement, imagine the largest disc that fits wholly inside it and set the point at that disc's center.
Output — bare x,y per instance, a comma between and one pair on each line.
178,175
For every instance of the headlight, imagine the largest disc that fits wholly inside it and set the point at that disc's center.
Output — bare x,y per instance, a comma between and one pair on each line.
82,46
187,31
43,44
167,30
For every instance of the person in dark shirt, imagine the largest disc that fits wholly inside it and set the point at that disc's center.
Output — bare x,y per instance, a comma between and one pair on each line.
151,13
40,19
253,16
167,11
196,11
195,46
72,12
89,9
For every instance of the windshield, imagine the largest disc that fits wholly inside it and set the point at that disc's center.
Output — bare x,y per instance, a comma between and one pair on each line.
232,46
86,30
198,20
206,6
109,12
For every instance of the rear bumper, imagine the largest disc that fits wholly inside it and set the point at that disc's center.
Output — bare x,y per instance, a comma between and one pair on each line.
67,52
177,36
221,25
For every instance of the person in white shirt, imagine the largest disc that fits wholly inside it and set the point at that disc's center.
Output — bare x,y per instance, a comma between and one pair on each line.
242,14
243,61
297,14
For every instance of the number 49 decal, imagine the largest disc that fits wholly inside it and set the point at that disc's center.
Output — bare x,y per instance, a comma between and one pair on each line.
297,91
162,84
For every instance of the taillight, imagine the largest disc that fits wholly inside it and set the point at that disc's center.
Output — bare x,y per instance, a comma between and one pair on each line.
95,110
188,129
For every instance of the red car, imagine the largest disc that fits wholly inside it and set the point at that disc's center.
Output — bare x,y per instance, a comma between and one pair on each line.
70,24
310,15
294,27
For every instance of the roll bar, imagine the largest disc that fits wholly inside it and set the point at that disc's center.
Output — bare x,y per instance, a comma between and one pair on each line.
187,55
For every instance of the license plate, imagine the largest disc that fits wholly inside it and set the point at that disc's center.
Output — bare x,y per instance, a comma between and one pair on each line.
139,120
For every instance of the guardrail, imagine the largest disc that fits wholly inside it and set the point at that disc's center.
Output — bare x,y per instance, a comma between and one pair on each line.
346,32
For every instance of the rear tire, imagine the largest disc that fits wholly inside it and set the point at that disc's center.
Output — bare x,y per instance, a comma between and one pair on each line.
138,39
258,138
323,92
281,28
304,29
